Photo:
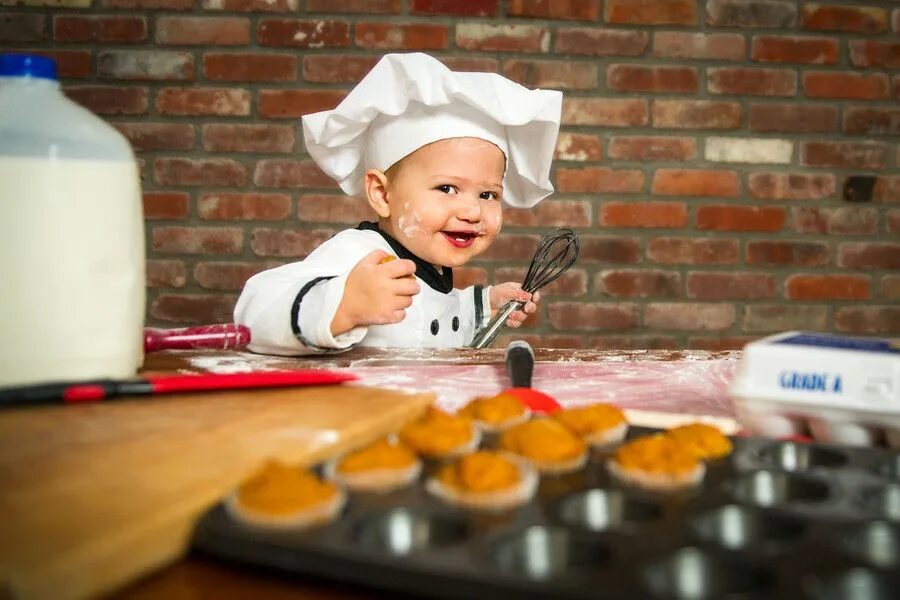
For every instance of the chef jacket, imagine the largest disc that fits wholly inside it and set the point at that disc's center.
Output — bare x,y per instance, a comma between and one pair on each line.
289,309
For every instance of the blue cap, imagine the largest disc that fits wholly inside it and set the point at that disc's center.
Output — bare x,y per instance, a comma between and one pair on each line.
27,65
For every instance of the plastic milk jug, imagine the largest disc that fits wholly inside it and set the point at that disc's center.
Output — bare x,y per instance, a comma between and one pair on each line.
71,235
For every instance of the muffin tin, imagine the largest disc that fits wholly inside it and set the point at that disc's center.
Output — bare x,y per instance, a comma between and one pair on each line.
776,519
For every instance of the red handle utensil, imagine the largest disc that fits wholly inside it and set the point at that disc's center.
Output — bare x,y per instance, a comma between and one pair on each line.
223,336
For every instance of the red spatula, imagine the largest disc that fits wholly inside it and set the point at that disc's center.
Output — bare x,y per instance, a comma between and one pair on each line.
520,366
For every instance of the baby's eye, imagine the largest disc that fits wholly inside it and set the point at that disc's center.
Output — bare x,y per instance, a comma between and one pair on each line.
488,196
446,188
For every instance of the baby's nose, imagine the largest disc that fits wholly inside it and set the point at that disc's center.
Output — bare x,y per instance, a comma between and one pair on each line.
469,209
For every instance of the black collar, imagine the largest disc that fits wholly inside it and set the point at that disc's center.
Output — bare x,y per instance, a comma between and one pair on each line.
439,281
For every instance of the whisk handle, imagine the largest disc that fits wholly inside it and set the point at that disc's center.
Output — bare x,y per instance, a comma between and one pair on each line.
486,336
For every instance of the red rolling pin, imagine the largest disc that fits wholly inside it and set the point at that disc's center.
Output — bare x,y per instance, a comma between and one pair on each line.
223,336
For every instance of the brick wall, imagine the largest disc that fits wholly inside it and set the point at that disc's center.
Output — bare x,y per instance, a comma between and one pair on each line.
732,166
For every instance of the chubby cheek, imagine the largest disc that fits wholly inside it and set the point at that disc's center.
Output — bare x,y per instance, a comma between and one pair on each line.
493,219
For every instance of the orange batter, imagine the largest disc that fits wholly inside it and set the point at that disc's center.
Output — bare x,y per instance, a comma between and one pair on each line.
495,410
544,440
483,471
656,454
279,490
438,433
391,257
702,440
591,419
383,454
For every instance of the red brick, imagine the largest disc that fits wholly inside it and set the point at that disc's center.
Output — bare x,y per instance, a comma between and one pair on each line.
145,65
708,46
287,243
643,214
169,206
223,102
226,275
207,172
867,256
729,286
827,287
330,208
203,31
696,182
870,53
248,138
22,27
226,206
277,104
752,82
868,319
474,64
860,155
188,309
542,340
748,14
123,30
654,149
688,317
502,38
469,8
158,136
608,112
637,78
740,218
550,213
793,118
854,86
336,69
845,220
150,4
696,114
719,343
887,189
651,12
601,180
600,42
857,19
812,51
642,283
890,287
571,283
355,6
396,36
893,221
464,277
166,274
790,186
862,120
618,342
578,146
69,63
779,317
616,250
692,251
108,100
582,10
250,67
290,174
787,253
511,247
271,6
198,240
561,75
299,33
592,316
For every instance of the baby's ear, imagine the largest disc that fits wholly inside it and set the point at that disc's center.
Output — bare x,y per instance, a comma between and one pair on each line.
376,184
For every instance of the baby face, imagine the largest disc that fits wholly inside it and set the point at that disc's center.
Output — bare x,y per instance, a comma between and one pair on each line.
445,200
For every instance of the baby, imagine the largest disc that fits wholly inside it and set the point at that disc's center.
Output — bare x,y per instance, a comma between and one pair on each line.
434,152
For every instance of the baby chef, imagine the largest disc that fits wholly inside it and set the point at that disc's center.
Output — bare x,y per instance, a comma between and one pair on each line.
433,152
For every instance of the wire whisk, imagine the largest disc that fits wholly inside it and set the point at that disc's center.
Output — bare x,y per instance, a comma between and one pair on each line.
557,251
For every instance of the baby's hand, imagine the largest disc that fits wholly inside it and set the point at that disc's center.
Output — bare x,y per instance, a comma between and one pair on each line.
378,291
504,292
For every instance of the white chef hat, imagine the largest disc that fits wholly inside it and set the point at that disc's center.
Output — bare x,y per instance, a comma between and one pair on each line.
409,100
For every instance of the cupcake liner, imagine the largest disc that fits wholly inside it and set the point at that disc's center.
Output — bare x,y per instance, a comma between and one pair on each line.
516,495
465,448
316,514
376,480
500,427
607,437
558,467
656,481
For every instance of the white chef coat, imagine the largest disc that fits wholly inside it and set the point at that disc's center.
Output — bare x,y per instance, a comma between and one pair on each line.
289,309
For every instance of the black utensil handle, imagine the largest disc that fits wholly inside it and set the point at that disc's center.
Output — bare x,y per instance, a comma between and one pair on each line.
520,363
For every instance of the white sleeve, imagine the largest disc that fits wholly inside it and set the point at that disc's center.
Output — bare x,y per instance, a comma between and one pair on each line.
474,310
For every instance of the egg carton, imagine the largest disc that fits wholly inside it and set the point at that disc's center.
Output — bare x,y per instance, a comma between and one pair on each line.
776,519
839,389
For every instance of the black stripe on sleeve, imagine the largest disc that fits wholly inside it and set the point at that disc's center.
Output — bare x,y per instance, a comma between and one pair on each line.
295,313
479,307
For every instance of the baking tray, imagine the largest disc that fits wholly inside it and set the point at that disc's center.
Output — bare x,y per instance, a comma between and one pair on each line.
776,519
